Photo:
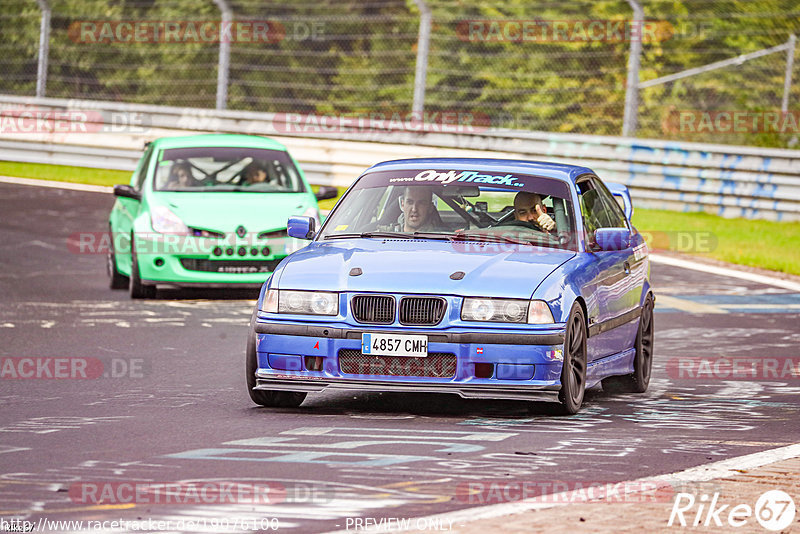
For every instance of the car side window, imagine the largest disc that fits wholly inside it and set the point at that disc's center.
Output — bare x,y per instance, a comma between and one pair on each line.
616,217
593,209
141,170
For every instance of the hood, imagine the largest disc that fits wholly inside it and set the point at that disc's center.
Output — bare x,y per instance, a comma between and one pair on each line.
418,266
225,211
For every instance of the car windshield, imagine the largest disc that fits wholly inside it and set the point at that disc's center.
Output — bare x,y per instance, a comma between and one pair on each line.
456,204
203,169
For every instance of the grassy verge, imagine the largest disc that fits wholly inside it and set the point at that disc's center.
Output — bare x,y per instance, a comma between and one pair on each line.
765,244
63,173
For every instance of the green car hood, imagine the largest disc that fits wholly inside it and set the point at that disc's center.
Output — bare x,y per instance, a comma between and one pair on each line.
226,211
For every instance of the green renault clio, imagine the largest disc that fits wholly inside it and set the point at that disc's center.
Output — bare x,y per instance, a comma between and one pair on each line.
209,211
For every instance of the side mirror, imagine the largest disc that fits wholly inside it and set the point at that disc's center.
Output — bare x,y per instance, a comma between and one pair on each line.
325,192
609,239
124,190
621,192
301,227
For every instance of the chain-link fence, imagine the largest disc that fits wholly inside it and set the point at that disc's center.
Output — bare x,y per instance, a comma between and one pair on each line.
551,66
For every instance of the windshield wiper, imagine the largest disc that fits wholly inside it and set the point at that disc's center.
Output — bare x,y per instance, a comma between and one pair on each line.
370,234
401,235
492,238
435,235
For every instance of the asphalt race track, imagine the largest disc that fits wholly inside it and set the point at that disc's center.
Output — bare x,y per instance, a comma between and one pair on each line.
173,407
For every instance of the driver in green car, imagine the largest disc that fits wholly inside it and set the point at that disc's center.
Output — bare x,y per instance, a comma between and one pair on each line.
528,207
255,173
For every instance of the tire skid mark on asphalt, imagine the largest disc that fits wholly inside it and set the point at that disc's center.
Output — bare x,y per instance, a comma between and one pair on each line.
727,340
50,487
50,424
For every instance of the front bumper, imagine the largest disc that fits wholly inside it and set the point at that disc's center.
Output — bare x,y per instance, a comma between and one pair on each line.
306,357
191,262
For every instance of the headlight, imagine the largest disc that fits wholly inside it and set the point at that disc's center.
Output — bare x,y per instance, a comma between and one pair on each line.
301,302
166,222
506,311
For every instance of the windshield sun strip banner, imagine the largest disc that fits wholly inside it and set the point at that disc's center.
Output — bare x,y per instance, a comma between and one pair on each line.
497,180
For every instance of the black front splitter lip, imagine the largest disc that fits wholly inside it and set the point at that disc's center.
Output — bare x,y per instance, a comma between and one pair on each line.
467,391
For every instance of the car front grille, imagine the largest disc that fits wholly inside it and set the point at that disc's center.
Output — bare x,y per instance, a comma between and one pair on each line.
230,266
435,365
422,311
373,309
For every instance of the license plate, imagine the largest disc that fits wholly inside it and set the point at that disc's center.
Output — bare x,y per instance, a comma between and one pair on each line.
394,345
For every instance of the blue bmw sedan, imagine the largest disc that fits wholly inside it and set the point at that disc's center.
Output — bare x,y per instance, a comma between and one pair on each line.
484,278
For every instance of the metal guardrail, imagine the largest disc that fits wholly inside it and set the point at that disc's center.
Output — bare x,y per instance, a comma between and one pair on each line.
727,180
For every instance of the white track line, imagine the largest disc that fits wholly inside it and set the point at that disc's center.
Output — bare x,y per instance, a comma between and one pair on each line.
724,271
703,473
56,185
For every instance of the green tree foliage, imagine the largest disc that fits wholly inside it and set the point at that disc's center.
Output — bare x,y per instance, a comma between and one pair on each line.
358,56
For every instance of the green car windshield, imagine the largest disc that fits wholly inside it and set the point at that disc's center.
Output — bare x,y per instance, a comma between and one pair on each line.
456,205
220,169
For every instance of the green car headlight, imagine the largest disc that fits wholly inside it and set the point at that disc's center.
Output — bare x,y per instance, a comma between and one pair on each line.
506,311
301,302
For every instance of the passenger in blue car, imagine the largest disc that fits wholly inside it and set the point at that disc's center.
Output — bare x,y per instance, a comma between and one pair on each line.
419,212
529,208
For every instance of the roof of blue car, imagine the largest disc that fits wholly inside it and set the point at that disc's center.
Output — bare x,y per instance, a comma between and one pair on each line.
536,168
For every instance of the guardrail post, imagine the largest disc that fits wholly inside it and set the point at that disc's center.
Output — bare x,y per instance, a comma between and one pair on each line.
44,48
787,80
224,54
423,42
630,118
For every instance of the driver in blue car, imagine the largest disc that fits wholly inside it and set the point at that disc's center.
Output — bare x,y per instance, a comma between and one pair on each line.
419,212
528,207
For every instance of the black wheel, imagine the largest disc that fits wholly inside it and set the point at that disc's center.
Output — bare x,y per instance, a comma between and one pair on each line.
116,280
138,289
638,381
273,399
573,372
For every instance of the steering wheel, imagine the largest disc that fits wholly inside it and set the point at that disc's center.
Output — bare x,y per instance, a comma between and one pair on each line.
514,222
503,219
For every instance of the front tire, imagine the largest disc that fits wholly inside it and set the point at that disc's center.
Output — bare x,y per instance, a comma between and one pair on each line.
138,289
272,399
639,380
573,371
115,279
